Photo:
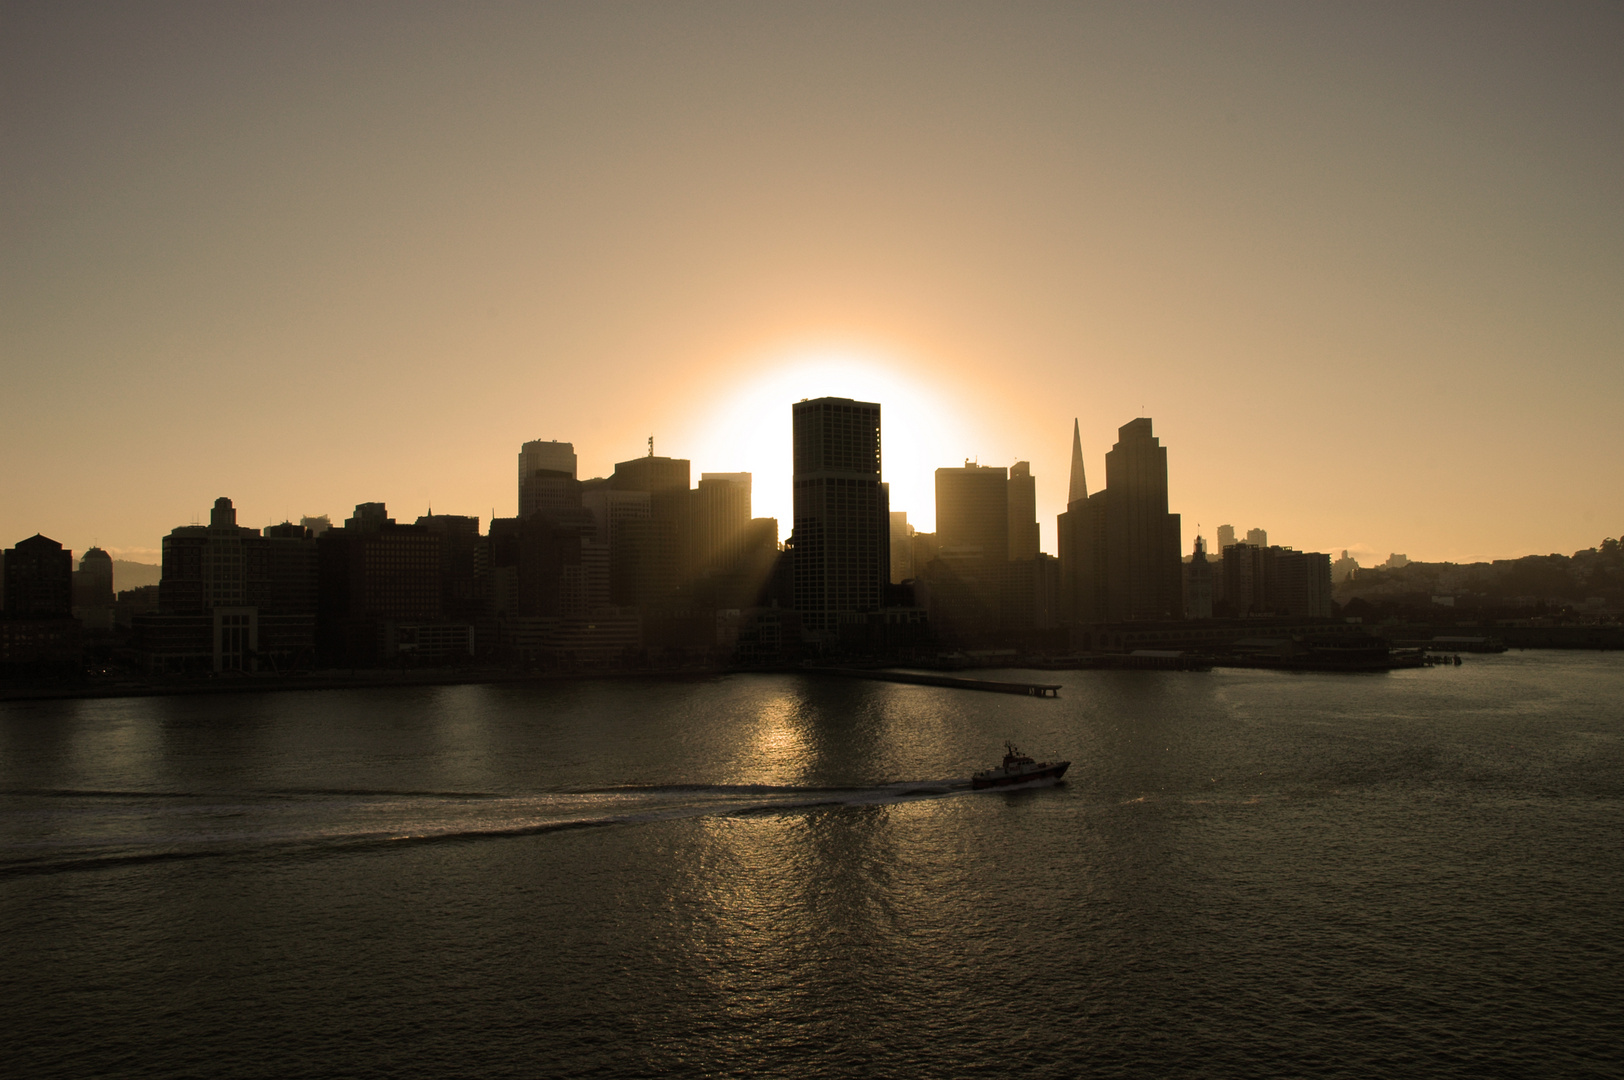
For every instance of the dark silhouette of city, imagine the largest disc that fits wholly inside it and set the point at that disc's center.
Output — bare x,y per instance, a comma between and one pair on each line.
645,570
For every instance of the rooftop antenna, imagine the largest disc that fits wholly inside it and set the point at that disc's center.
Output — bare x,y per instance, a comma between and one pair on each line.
651,446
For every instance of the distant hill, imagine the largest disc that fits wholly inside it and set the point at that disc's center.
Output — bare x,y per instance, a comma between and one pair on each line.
133,575
1552,580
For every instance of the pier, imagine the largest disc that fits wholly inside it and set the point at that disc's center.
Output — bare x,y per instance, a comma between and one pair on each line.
954,681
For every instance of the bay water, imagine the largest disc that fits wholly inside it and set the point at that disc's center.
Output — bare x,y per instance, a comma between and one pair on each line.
1244,873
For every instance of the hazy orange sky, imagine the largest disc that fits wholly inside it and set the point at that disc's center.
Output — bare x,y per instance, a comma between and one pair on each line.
1362,263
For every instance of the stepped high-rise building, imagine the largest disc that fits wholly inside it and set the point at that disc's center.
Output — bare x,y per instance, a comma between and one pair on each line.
1120,547
1142,542
546,476
841,533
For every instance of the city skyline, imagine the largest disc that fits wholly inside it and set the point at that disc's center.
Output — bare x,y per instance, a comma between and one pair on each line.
918,515
1360,264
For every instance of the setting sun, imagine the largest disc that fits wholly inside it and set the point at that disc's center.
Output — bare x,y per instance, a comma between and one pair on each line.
748,430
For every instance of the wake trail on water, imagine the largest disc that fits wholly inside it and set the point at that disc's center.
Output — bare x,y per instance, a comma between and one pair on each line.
128,829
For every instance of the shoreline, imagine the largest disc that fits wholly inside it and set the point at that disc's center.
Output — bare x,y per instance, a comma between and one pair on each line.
252,684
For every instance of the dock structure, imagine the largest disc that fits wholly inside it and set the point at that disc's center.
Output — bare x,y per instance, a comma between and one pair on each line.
919,678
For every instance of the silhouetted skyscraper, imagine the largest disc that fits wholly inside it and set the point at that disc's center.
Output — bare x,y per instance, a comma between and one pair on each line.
972,511
292,575
207,566
1226,537
1080,537
1024,539
1120,547
39,579
621,526
842,513
377,577
719,514
1246,579
231,599
555,462
1078,490
1257,537
93,590
463,562
1143,576
664,558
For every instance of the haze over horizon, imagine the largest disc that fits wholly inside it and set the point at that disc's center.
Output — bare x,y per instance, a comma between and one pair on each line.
1363,266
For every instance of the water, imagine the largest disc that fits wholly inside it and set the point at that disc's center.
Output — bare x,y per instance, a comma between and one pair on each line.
1244,873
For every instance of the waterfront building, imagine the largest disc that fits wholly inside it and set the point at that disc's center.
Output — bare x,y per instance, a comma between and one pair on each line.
231,599
1276,581
463,563
376,577
291,578
38,579
842,513
1300,583
38,636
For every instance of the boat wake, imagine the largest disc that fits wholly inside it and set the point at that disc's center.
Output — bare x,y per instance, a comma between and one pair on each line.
50,832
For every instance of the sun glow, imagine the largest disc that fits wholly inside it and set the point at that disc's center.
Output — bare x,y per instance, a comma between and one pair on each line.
749,430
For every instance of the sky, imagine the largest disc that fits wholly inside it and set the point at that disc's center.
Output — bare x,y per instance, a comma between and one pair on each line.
1363,264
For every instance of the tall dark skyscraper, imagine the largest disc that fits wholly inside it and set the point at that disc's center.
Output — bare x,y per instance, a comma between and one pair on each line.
1024,538
842,512
1142,544
1119,548
972,511
663,558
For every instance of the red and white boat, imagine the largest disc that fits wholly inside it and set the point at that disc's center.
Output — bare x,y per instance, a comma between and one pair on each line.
1018,769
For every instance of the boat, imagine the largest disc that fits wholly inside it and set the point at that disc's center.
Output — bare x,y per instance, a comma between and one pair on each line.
1018,769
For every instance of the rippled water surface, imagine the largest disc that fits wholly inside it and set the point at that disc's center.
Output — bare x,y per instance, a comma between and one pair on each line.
1243,874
